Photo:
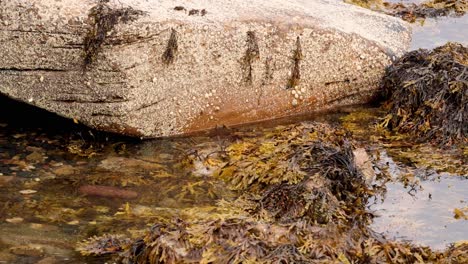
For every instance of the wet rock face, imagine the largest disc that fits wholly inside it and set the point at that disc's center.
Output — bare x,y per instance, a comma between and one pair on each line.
162,68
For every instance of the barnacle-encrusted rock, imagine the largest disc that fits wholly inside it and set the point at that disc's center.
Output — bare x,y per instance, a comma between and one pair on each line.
168,67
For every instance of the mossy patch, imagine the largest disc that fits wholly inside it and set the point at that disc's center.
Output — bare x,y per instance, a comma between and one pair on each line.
102,20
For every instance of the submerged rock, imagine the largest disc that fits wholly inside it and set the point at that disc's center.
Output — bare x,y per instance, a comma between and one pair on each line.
162,68
107,191
28,250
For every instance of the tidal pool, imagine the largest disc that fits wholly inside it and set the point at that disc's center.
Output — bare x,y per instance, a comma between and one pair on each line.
44,211
422,211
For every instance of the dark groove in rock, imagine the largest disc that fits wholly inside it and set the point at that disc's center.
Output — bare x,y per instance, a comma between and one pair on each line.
251,54
103,19
171,49
31,70
296,70
268,75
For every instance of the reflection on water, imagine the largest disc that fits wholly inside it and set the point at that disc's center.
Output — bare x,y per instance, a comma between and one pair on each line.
437,32
422,211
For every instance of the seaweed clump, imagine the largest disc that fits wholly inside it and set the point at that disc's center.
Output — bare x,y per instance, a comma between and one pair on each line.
429,9
103,19
428,94
413,12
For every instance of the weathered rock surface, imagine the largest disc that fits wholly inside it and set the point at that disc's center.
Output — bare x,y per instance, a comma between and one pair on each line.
182,66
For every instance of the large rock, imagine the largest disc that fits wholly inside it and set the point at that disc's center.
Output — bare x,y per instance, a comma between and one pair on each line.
168,67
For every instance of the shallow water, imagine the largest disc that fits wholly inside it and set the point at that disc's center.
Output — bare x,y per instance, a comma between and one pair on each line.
436,32
423,212
44,214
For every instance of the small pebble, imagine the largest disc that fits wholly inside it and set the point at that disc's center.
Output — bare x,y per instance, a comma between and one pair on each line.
15,220
303,90
41,79
294,102
36,226
27,250
74,222
26,192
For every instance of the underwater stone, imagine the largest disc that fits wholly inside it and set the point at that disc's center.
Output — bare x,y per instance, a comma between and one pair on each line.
107,191
124,86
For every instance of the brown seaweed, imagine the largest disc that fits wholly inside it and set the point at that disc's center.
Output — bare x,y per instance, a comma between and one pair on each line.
428,94
102,20
414,12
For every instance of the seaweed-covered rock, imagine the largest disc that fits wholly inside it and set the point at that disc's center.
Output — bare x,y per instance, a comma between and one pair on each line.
428,94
